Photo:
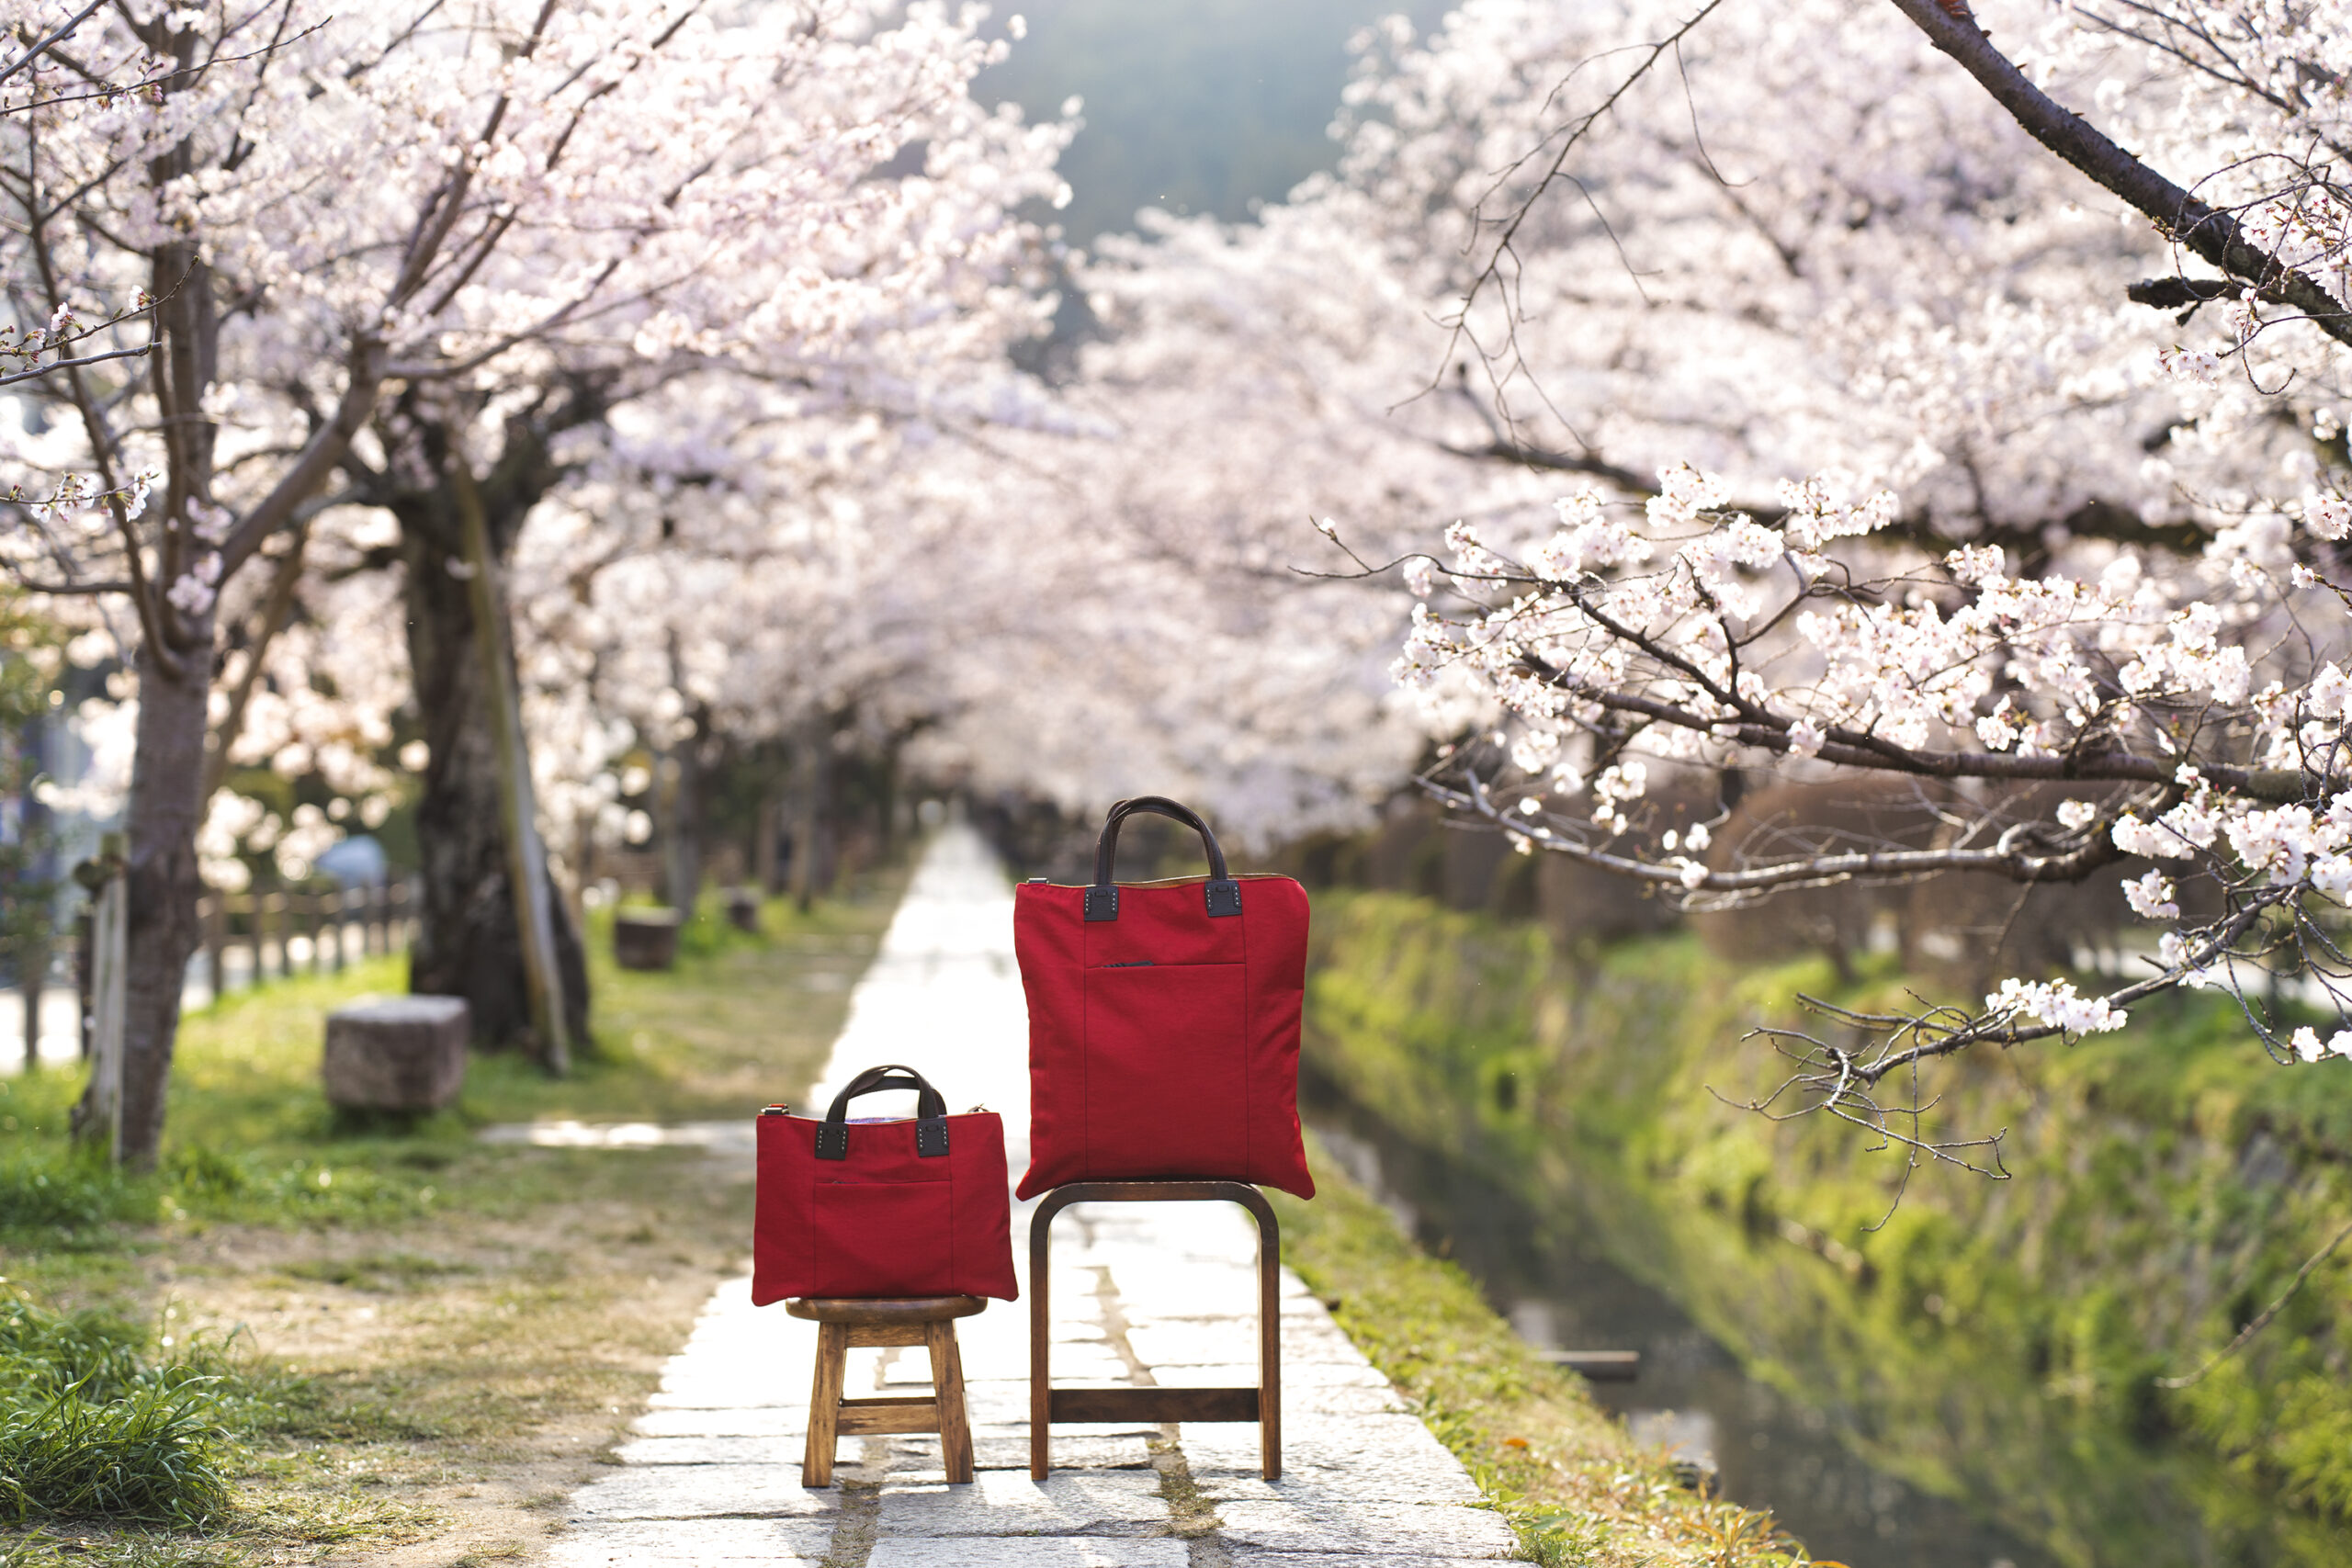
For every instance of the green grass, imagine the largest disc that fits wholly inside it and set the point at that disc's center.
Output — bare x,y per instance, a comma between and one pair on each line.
101,1417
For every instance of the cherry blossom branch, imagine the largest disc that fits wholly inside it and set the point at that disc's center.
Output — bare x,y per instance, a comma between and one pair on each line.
278,609
1933,1038
2210,234
33,51
12,377
1490,275
2012,858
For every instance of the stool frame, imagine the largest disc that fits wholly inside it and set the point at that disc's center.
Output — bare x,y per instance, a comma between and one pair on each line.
1262,1404
843,1324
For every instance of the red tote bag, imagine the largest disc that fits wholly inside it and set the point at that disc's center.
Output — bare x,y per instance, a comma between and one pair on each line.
1164,1022
882,1208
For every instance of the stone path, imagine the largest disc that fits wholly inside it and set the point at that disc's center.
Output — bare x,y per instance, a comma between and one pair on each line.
1143,1294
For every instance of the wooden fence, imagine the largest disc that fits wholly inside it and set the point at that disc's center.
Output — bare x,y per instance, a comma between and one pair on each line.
250,937
282,933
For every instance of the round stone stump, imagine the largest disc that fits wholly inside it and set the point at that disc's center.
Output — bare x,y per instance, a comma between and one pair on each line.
397,1052
743,910
645,939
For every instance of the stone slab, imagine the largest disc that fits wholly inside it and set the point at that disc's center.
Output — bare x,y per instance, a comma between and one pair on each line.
1066,1551
1366,1527
1257,1557
1005,1501
701,1491
669,1544
770,1448
742,1422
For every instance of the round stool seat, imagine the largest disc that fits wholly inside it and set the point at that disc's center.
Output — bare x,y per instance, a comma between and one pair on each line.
871,1312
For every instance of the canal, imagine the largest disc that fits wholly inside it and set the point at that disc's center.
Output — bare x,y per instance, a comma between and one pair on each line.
1810,1461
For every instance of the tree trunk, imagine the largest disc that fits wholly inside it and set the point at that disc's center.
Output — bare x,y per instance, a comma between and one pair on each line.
468,942
888,804
166,801
811,773
763,846
682,837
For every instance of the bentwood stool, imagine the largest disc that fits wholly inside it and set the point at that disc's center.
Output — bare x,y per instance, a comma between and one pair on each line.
1262,1404
928,1321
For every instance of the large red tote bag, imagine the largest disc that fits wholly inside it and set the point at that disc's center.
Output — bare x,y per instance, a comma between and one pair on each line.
882,1208
1164,1022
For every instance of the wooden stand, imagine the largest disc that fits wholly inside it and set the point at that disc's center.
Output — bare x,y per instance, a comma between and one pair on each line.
928,1321
1262,1404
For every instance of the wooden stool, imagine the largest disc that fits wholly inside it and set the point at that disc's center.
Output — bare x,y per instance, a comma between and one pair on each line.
1262,1404
927,1320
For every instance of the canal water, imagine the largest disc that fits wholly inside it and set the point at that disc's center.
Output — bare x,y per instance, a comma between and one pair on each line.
1690,1396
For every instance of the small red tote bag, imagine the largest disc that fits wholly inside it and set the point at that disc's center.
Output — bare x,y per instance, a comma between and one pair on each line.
882,1208
1164,1022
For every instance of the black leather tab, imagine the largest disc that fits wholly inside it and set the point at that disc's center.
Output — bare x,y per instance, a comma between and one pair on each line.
1224,897
1102,903
931,1137
832,1140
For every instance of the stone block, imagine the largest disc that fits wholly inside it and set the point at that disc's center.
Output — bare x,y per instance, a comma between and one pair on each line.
690,1544
645,939
1005,1502
1367,1529
701,1491
743,910
397,1052
1064,1552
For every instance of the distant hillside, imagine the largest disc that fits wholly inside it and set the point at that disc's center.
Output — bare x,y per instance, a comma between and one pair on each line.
1196,106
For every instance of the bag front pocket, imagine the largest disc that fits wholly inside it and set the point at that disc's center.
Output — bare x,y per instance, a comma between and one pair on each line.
1165,1092
881,1239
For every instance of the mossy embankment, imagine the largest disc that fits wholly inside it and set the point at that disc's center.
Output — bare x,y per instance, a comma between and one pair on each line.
2001,1341
1574,1488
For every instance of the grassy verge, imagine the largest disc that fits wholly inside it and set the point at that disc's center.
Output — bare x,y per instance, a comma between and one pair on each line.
1561,1470
396,1345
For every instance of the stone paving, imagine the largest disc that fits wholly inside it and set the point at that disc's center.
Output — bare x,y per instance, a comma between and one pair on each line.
1143,1294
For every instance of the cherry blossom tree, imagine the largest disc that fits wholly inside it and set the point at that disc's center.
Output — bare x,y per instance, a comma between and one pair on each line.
369,241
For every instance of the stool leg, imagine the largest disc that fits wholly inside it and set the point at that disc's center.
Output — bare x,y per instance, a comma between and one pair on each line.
1270,1343
947,1388
1041,1325
824,1405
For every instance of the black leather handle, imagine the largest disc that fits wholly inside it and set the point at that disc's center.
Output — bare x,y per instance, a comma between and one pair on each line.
1223,894
931,1112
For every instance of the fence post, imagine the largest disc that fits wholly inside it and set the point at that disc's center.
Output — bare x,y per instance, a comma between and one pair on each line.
215,912
85,934
109,928
32,975
228,931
